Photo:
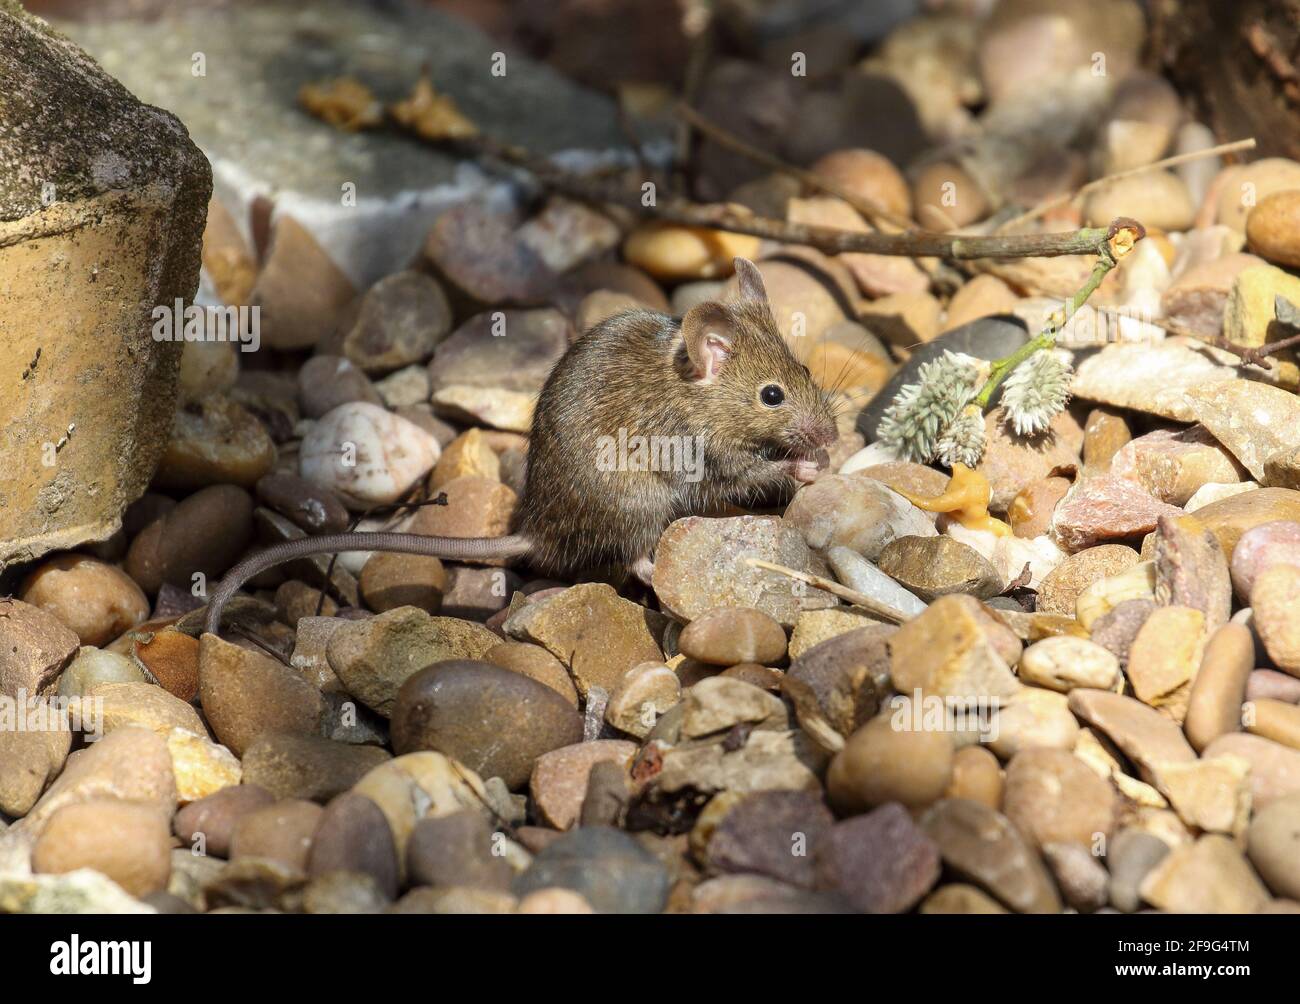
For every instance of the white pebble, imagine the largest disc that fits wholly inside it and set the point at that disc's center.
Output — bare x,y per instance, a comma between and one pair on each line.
367,455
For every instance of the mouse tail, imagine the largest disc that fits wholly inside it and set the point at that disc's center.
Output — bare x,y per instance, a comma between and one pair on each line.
447,548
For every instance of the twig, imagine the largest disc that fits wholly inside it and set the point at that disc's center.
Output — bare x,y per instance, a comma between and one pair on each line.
872,210
1123,234
697,24
1245,353
868,603
1183,158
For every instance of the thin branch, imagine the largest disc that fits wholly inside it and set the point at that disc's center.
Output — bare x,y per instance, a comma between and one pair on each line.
868,603
1183,158
872,210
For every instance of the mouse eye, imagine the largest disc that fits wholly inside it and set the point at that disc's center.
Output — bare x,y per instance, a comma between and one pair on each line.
771,395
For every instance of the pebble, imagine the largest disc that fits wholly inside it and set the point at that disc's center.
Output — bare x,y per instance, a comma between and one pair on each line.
1053,797
457,850
1106,508
1012,462
1273,719
469,454
374,657
510,350
1271,227
1030,512
1206,494
93,666
475,594
311,507
770,833
342,892
536,663
880,764
1135,583
31,760
1197,298
608,868
1191,569
36,650
1033,718
1273,599
699,566
127,842
1082,879
476,507
325,382
1210,795
1143,734
976,775
673,252
768,760
869,176
421,785
959,898
389,580
1271,683
1274,768
981,845
855,511
245,693
281,833
1117,630
817,626
214,441
1059,590
1208,876
365,454
596,633
96,600
1214,706
1159,197
934,566
1064,663
353,835
728,636
848,675
717,704
143,704
1230,518
1164,657
407,391
949,651
1173,464
200,765
1260,178
646,692
558,784
1261,547
397,322
1132,854
307,767
203,535
207,823
495,721
1273,846
858,573
881,862
129,764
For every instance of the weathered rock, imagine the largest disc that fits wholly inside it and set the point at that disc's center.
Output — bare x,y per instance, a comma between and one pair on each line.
1196,298
307,767
881,763
1273,844
949,651
207,823
609,869
1271,227
374,657
109,179
981,845
934,566
396,322
366,455
215,441
700,564
880,862
1064,663
1248,316
1032,718
1012,462
143,704
37,649
1258,548
855,511
1230,518
1208,876
761,833
1144,735
719,703
1173,464
1274,768
558,784
1106,508
511,350
494,721
245,693
1030,512
596,633
1253,420
1211,795
1192,570
1060,588
1053,797
1165,656
353,836
31,760
1273,598
281,832
127,841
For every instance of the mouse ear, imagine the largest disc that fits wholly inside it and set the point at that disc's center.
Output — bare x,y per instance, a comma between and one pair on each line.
751,281
708,332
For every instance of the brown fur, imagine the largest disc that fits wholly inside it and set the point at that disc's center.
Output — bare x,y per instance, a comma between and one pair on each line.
634,372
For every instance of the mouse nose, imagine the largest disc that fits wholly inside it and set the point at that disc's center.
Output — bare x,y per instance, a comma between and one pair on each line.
817,432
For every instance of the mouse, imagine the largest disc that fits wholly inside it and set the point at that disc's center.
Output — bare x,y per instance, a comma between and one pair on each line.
644,419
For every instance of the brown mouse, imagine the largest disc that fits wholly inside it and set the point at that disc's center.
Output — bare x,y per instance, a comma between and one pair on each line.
642,421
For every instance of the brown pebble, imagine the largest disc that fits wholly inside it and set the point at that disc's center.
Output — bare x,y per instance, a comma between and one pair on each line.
882,764
976,775
1214,707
